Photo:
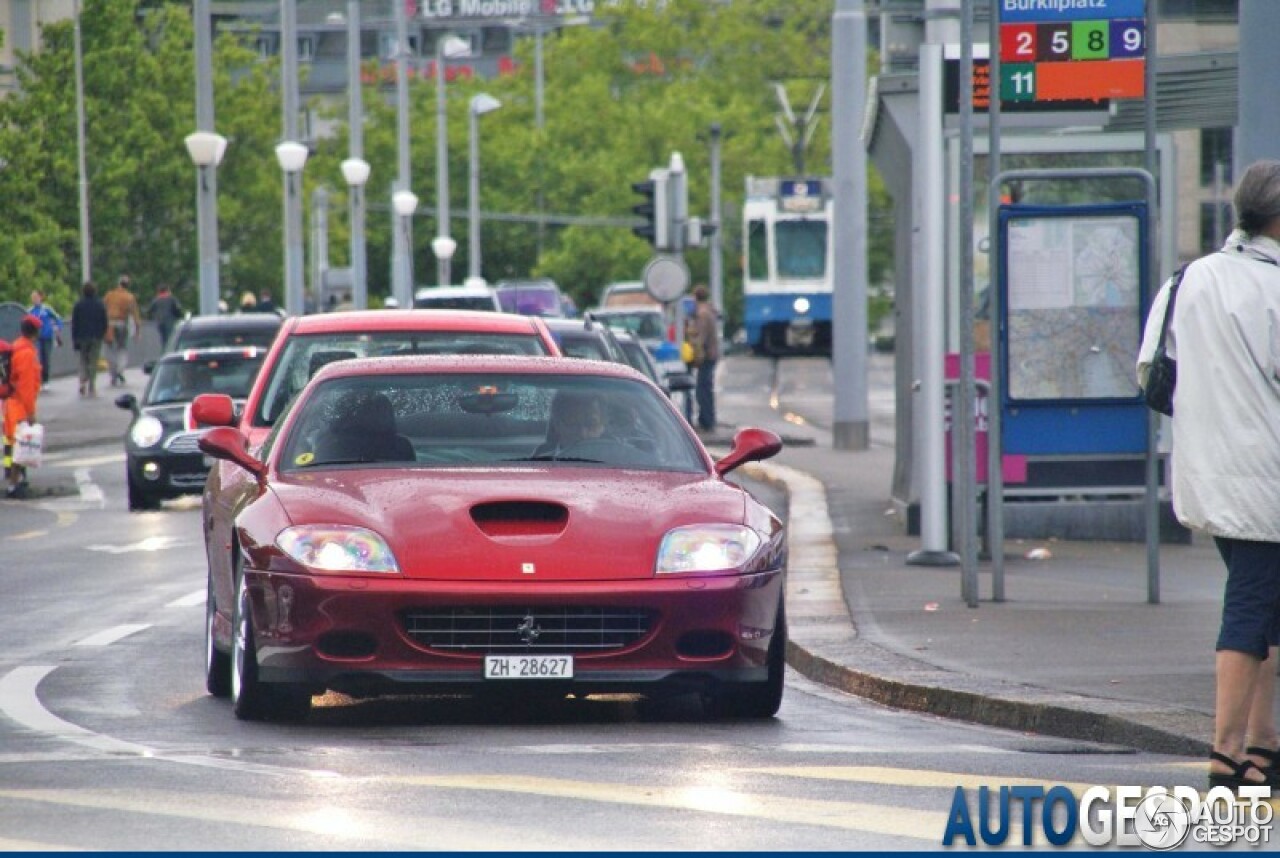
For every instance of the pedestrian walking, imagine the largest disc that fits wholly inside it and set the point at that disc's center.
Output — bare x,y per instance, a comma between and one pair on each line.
704,337
88,329
266,304
20,405
1226,460
50,332
124,319
165,311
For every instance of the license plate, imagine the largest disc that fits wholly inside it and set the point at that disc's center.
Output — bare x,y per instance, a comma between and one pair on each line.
528,667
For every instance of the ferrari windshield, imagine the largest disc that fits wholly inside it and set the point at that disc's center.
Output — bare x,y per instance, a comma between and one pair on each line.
486,420
304,355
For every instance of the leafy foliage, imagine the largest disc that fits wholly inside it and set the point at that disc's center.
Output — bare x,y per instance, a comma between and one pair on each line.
620,97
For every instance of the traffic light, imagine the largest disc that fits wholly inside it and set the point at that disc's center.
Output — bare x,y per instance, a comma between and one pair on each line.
654,210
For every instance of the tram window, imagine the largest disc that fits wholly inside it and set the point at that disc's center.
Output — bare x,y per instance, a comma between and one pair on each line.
757,251
802,248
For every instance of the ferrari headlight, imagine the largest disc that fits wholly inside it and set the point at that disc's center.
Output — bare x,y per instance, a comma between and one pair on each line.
337,548
147,431
707,548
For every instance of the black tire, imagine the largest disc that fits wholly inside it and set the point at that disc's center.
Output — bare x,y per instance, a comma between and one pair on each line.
252,699
756,699
217,664
139,499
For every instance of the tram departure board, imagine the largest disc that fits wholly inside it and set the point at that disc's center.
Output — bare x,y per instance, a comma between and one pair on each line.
1072,50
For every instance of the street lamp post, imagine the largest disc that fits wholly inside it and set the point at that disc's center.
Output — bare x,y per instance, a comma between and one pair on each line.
206,150
292,157
480,105
405,203
355,170
356,173
447,48
443,247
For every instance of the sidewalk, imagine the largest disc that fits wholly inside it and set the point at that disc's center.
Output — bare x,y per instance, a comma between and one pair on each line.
1075,651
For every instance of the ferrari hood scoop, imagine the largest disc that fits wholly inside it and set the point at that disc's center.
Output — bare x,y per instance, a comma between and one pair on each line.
498,519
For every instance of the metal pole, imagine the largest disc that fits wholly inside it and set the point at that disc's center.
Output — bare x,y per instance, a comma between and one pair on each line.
1153,281
473,196
443,277
539,79
355,135
402,233
206,176
294,293
1258,128
995,441
320,237
851,427
929,173
716,267
963,489
86,264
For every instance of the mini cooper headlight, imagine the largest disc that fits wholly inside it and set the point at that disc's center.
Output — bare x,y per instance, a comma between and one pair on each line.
337,548
707,548
147,431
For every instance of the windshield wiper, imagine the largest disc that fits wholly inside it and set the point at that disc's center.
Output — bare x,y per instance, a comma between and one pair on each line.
552,457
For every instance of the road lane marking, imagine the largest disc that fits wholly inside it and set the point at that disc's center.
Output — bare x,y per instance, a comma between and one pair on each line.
852,816
151,543
64,460
195,597
887,776
109,636
318,814
18,700
30,534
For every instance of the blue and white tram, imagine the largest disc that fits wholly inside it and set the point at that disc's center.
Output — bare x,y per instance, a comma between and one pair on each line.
786,283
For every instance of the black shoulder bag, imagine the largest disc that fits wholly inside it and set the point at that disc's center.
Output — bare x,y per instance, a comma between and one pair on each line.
1162,375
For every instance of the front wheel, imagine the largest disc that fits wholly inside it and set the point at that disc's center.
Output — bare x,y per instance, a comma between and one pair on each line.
217,664
139,499
252,699
757,699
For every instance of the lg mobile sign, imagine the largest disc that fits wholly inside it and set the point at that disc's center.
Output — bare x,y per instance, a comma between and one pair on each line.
1072,50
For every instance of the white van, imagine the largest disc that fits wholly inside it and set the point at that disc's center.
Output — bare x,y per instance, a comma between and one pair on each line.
456,298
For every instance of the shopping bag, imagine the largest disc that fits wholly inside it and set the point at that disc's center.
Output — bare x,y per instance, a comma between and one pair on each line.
28,445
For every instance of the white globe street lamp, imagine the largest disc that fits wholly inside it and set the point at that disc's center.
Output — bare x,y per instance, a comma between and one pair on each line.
443,247
447,47
206,150
292,157
481,104
404,203
356,173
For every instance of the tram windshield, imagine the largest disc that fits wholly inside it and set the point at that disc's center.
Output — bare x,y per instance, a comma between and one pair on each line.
802,248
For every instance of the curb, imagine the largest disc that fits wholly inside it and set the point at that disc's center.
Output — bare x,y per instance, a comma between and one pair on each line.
824,646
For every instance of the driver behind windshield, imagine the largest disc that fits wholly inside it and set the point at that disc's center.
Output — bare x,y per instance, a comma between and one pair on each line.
575,418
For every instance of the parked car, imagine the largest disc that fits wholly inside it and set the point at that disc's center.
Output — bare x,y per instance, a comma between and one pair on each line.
678,381
531,298
586,338
456,298
647,323
230,329
499,523
305,345
161,457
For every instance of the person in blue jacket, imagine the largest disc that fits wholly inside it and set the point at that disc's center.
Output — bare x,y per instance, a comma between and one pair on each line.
50,332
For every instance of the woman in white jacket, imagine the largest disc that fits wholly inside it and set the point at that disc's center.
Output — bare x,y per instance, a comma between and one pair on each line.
1225,334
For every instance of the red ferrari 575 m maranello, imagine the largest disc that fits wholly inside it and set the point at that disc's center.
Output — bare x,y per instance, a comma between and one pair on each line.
457,523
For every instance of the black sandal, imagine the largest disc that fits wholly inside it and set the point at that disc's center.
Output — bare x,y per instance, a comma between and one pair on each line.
1238,776
1273,768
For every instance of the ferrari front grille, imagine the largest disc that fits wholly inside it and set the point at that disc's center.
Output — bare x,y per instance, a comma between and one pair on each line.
512,629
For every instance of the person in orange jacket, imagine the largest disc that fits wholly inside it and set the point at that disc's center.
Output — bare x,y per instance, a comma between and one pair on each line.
20,406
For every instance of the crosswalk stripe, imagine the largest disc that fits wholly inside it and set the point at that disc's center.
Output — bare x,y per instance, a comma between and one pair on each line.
852,816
